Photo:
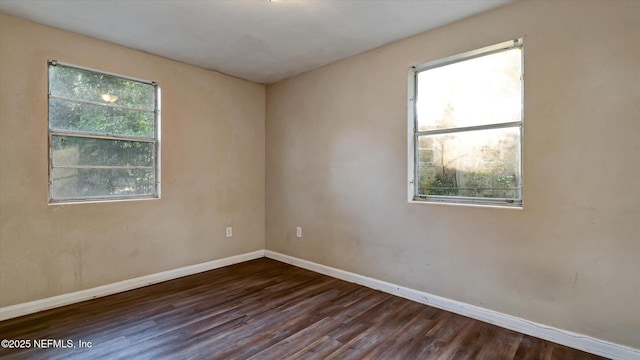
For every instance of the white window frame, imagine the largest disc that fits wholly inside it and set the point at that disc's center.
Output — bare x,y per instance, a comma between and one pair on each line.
156,141
412,133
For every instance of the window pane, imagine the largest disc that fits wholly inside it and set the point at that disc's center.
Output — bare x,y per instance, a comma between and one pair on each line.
79,84
88,183
480,91
78,151
67,115
481,164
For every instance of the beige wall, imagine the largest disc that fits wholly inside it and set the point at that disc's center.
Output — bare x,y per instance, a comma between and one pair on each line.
213,139
336,165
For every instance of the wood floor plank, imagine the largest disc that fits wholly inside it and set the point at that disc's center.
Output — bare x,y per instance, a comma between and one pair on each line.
319,349
261,310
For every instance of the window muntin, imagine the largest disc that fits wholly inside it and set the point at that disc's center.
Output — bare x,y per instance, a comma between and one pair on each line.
103,136
468,109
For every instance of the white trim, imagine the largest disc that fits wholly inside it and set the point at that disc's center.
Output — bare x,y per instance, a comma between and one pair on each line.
517,206
505,45
30,307
564,337
99,72
411,130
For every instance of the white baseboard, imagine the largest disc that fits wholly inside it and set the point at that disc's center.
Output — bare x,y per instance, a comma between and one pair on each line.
13,311
564,337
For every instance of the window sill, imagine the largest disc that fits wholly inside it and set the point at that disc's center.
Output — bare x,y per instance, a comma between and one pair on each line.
101,200
510,206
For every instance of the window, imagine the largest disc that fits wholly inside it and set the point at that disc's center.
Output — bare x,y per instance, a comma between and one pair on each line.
465,127
104,133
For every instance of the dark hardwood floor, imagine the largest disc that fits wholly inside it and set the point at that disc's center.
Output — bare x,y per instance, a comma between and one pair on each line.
264,309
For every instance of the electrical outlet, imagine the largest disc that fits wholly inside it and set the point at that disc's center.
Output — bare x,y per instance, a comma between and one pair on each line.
229,231
299,232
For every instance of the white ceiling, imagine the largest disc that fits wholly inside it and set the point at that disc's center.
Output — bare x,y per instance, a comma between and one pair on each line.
258,40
